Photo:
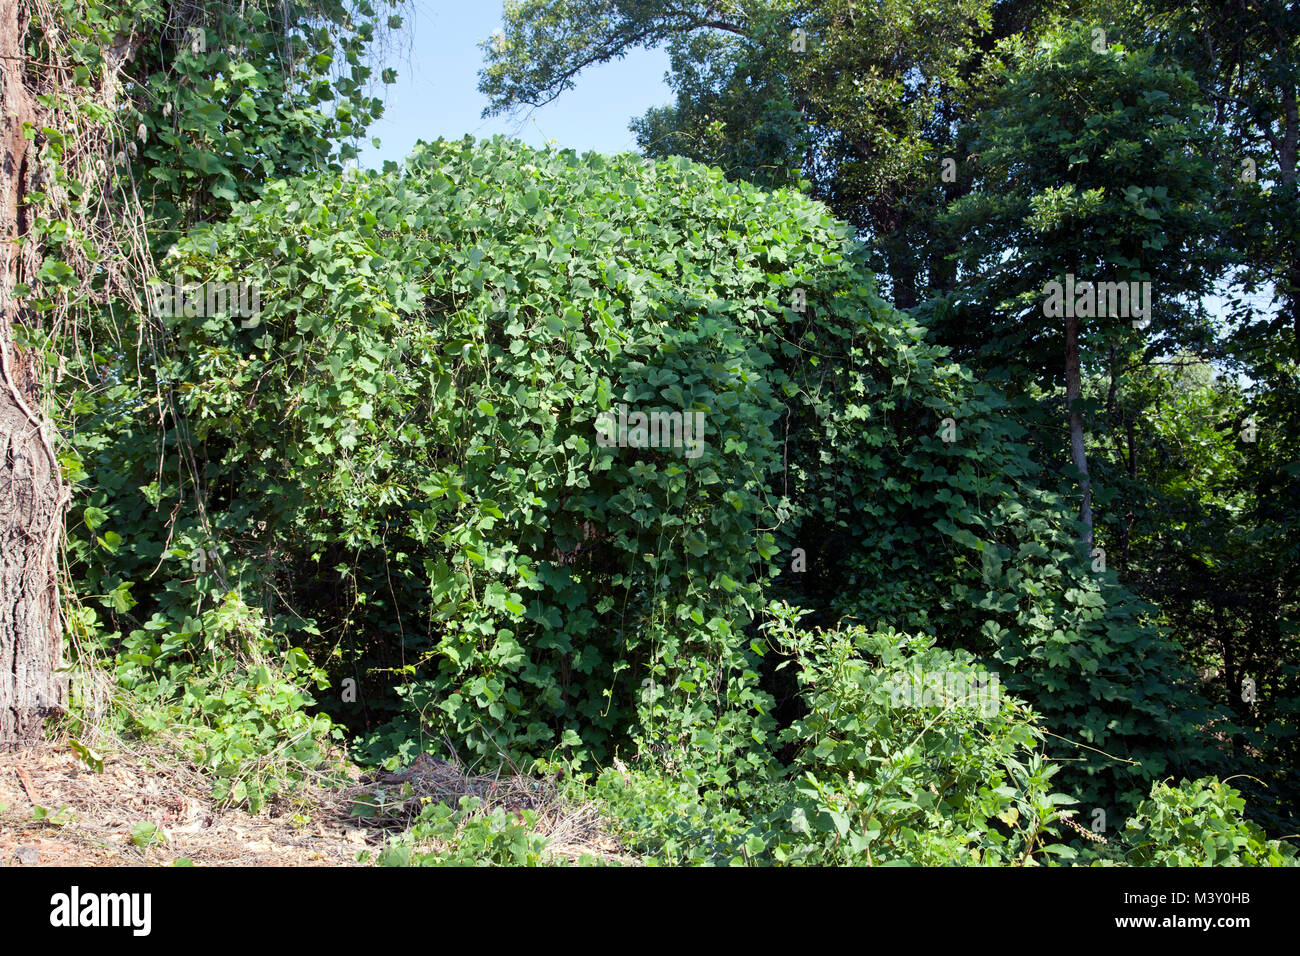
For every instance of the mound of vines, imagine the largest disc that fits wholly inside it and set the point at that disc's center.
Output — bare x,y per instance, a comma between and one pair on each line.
398,462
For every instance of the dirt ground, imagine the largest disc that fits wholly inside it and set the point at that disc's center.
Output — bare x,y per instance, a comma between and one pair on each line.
57,811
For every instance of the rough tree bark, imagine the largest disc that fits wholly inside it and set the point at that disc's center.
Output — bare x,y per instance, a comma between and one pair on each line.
32,493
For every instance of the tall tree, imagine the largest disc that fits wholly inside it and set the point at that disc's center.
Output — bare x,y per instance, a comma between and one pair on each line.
1245,55
1086,241
32,492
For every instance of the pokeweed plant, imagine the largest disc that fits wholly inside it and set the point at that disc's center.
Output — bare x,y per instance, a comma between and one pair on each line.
898,761
1199,823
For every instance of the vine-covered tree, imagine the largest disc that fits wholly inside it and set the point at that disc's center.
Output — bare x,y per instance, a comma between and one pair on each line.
114,115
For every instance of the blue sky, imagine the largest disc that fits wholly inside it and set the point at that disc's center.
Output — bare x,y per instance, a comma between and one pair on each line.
436,93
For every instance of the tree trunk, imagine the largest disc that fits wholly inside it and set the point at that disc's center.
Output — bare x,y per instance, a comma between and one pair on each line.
1073,392
1131,441
31,489
1292,299
1286,162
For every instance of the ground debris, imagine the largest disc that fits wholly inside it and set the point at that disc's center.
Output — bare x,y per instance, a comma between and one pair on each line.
573,830
84,818
57,811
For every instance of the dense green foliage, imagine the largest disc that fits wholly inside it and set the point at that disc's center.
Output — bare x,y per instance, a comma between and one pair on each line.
946,780
384,511
983,150
405,475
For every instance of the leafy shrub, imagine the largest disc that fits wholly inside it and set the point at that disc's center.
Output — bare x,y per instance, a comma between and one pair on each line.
875,776
232,696
937,775
675,817
890,768
1199,823
465,837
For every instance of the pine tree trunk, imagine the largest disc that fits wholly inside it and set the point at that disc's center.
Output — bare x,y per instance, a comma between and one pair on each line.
31,488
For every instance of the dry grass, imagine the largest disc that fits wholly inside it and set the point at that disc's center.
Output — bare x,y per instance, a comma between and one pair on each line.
89,815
